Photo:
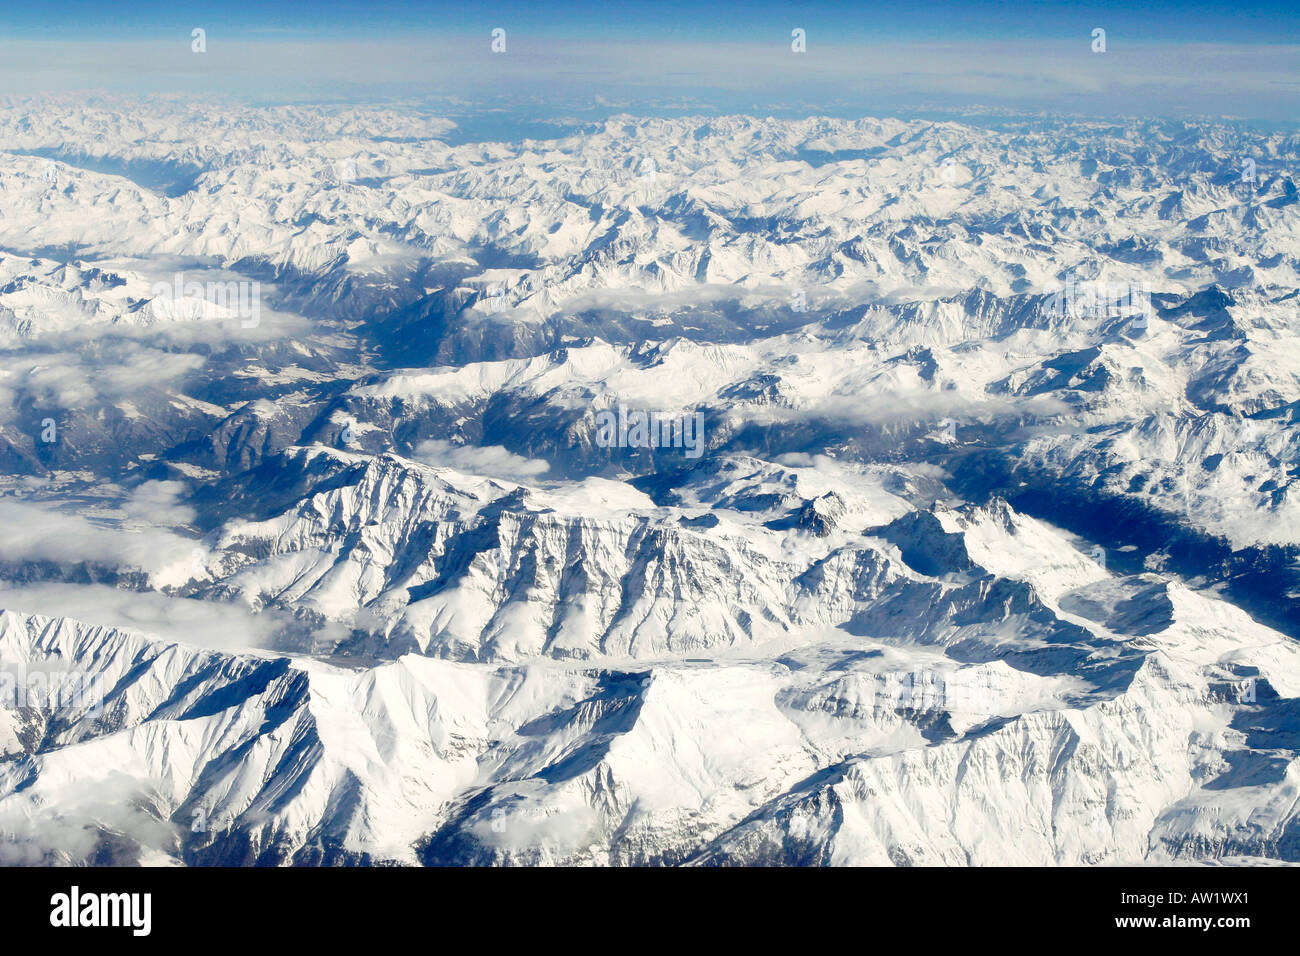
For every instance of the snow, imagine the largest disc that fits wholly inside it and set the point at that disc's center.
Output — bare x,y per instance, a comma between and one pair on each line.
957,579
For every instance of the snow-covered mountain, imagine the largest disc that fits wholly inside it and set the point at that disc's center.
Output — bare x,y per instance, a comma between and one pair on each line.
709,490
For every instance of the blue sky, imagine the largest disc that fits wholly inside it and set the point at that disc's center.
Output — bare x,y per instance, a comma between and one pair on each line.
1158,21
1162,58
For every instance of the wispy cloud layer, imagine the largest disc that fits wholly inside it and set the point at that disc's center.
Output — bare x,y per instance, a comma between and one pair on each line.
1061,74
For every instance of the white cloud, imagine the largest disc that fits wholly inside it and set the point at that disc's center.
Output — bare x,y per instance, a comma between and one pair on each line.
158,502
34,831
190,621
492,461
36,532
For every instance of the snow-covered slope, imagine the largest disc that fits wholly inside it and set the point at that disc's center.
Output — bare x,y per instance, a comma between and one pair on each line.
960,717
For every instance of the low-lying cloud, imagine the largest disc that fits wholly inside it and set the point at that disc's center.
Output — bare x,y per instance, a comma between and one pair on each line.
492,461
